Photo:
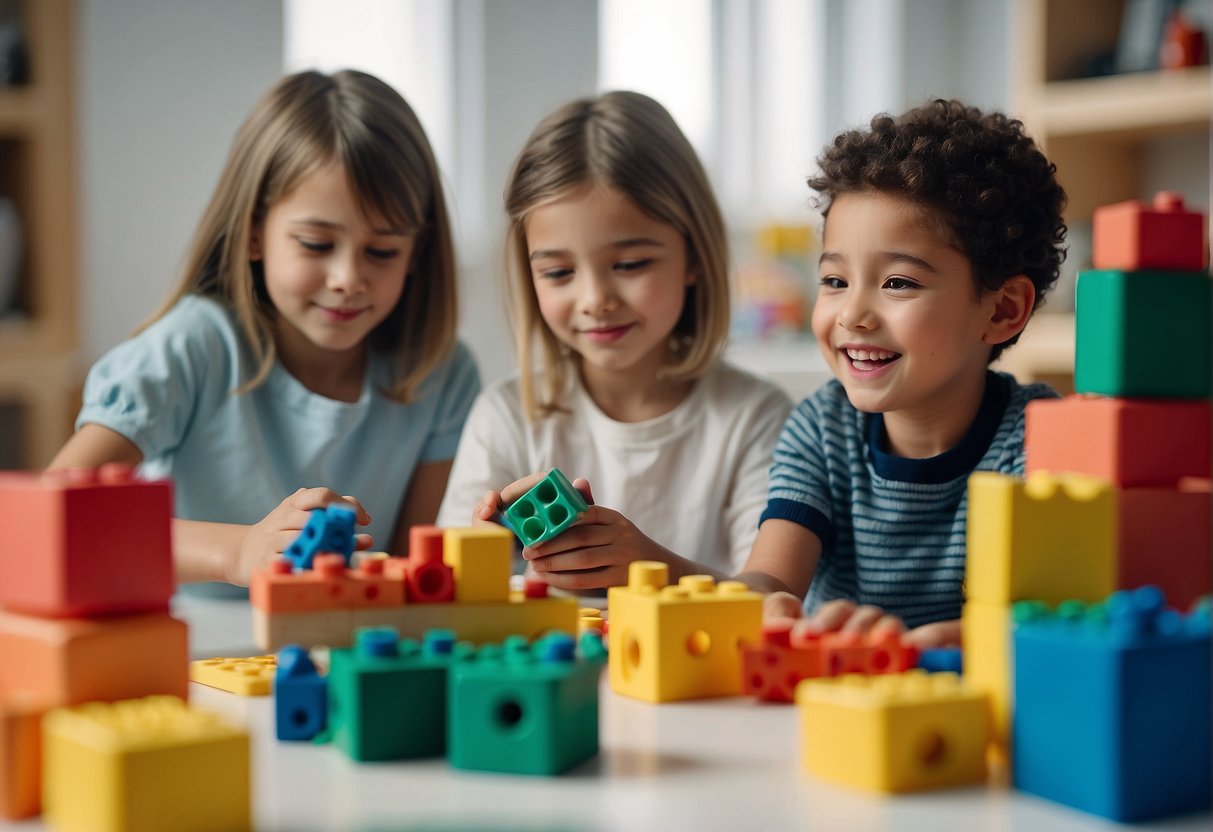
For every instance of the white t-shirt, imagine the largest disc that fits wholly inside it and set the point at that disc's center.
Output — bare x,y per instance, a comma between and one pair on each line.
694,480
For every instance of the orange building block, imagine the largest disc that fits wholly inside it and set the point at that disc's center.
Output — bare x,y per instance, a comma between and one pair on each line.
1164,540
328,585
1131,442
773,668
70,661
21,756
1132,236
852,653
85,542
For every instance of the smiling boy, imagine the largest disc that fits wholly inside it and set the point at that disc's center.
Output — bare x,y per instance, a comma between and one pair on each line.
943,232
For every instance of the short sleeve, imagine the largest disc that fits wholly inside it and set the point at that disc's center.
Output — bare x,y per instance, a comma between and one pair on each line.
459,387
799,489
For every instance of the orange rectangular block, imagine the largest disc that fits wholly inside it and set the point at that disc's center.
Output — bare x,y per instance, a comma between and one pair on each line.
1133,236
328,585
21,756
1164,540
71,661
85,542
1131,442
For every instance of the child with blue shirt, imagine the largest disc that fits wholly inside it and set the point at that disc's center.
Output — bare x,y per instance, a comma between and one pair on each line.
309,342
943,232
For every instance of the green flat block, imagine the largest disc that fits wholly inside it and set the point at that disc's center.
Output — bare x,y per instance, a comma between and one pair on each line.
523,709
545,511
1144,334
387,697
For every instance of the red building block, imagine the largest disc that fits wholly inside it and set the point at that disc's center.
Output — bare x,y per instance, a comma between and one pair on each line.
21,756
370,585
1131,236
1164,540
85,542
1131,442
852,653
772,670
427,579
77,660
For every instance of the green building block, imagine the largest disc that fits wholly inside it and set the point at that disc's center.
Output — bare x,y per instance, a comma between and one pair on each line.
1144,334
549,508
387,696
526,709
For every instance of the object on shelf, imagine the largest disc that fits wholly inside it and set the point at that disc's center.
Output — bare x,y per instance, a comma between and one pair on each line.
1183,45
10,252
14,59
775,290
1141,31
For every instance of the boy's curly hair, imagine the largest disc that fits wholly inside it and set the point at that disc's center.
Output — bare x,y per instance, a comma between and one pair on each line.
980,174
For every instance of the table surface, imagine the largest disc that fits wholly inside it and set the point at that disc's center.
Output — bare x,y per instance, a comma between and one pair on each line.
715,764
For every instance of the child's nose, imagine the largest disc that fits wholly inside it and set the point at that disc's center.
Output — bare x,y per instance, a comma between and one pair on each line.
345,275
597,293
857,313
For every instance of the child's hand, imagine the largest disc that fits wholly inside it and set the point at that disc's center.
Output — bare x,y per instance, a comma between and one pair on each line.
495,501
845,616
780,605
277,531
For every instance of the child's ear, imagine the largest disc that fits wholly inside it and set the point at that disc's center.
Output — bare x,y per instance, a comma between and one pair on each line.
1013,304
254,243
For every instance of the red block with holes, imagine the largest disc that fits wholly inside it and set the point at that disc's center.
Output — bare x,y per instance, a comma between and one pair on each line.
1163,539
85,542
772,670
427,579
369,585
852,653
1133,236
328,585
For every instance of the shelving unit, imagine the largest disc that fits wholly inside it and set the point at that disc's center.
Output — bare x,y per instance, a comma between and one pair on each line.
1098,131
38,339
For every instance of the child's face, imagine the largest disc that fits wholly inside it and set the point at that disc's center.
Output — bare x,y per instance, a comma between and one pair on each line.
610,280
897,316
332,273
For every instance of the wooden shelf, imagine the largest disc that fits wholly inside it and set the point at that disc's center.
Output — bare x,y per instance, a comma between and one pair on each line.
21,112
1136,106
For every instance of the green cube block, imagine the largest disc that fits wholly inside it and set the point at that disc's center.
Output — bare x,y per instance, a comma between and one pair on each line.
525,709
1144,334
387,697
549,508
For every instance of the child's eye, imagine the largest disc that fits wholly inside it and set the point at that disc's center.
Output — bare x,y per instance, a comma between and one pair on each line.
314,245
896,283
383,253
633,265
833,281
556,273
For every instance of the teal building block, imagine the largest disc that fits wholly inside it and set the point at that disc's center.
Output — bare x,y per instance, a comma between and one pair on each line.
387,696
1144,334
545,511
526,709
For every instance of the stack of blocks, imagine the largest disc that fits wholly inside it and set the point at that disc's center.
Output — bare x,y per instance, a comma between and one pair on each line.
85,581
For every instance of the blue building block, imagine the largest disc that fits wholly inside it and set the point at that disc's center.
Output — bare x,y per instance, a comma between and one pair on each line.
545,511
328,530
941,659
526,709
300,696
1112,706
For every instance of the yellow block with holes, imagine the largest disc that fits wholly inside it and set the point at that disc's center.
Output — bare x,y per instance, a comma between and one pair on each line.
144,764
986,636
253,676
1048,538
480,558
894,733
679,642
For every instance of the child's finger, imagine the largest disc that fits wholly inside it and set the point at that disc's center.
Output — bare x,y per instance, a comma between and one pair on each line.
830,615
364,517
576,560
519,487
362,542
583,485
781,605
862,619
939,634
887,625
579,581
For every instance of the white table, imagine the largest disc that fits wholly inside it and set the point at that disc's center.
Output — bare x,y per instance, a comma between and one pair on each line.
728,764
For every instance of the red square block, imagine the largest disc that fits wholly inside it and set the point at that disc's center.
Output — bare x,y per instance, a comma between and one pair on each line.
21,756
75,660
1132,236
1164,540
85,542
772,670
1131,442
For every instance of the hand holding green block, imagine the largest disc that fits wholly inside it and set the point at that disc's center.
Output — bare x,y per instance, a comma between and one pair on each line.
546,510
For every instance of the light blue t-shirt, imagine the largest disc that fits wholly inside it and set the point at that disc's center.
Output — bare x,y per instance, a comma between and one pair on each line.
233,458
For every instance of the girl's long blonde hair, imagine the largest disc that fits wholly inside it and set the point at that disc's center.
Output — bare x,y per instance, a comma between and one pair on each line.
628,142
306,121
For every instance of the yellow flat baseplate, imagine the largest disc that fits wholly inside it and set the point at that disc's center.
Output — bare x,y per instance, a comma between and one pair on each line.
253,676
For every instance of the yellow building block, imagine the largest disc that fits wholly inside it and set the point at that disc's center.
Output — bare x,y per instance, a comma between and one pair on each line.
679,642
480,558
253,676
144,764
1049,538
986,636
894,733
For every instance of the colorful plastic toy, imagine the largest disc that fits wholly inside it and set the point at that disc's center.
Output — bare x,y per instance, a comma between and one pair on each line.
144,765
480,558
300,696
941,660
986,635
1163,539
253,676
1133,236
21,756
1112,708
545,511
427,578
329,530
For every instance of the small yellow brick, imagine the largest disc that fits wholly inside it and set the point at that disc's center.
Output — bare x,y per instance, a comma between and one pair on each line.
253,676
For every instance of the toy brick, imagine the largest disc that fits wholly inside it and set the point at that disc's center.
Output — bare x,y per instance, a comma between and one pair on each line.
369,585
679,642
147,764
1131,442
1049,538
543,512
329,530
330,628
894,733
1112,708
279,588
1163,539
300,696
480,559
773,667
252,676
1134,236
941,660
852,653
427,578
69,661
21,756
1125,319
85,542
387,697
526,709
986,636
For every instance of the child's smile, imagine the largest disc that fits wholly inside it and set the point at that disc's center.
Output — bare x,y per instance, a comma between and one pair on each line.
867,361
